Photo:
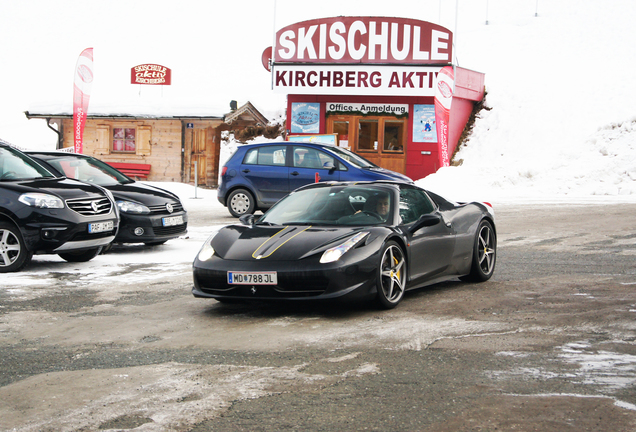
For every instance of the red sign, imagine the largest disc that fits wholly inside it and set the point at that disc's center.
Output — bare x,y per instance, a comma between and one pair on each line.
266,58
366,40
443,101
151,74
81,96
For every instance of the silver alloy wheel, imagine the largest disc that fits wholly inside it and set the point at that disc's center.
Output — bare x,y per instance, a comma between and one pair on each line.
9,248
393,274
486,249
240,203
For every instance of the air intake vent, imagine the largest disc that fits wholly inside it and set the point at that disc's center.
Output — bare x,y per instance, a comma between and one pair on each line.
90,207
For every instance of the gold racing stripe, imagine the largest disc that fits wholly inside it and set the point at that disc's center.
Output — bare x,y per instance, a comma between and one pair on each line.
278,247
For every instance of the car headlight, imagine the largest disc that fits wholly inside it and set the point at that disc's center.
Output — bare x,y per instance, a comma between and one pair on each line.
207,251
132,207
334,254
41,200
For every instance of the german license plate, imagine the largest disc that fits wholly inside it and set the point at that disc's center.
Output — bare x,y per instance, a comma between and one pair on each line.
172,221
252,278
98,227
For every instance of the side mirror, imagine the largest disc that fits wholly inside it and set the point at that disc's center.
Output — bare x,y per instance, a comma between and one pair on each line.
426,220
247,219
330,166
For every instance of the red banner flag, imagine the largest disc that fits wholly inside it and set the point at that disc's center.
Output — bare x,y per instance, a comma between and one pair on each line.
81,95
443,99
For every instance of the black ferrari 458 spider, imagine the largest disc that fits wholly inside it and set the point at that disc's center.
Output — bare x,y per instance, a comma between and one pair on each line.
371,240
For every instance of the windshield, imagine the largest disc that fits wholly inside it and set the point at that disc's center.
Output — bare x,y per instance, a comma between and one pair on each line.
337,205
87,170
15,165
352,158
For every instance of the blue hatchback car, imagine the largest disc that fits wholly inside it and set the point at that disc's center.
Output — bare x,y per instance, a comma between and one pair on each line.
258,175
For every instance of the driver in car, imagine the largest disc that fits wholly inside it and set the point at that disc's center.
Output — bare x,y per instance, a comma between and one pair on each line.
382,206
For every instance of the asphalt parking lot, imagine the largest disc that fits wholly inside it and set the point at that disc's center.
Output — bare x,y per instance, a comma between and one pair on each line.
548,344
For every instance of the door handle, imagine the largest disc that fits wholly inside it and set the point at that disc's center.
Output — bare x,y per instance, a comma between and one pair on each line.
246,170
295,173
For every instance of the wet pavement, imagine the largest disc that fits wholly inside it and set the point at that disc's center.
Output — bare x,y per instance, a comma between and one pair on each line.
548,344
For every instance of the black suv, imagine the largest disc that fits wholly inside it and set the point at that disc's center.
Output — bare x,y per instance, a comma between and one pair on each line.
44,214
149,214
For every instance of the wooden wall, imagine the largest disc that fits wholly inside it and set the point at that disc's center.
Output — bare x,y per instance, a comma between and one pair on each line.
159,142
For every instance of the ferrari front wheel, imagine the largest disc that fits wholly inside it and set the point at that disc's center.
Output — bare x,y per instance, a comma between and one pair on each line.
391,276
484,254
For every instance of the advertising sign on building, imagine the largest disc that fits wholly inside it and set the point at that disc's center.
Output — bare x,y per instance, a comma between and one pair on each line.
361,55
364,40
305,118
424,127
150,74
351,80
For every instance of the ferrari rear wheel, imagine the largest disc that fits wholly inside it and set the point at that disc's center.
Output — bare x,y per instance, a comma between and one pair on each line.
484,254
241,202
392,276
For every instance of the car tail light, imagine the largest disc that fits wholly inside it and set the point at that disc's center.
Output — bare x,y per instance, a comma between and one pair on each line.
488,204
223,170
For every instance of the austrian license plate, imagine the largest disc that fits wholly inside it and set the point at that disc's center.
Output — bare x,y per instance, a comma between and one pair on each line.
172,221
98,227
252,278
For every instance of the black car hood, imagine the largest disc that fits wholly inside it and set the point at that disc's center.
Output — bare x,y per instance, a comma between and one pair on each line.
62,187
276,243
142,193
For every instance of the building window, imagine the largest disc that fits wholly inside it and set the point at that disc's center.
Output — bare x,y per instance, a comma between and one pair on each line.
124,140
368,135
393,140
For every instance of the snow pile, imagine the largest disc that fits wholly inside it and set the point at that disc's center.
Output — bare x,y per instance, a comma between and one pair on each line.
560,93
602,165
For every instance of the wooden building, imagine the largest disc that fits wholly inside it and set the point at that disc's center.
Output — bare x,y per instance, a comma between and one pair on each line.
171,145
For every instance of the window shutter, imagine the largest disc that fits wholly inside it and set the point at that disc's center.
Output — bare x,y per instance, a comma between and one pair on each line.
144,136
103,140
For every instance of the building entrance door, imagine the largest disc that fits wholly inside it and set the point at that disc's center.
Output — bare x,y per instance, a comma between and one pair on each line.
381,140
199,145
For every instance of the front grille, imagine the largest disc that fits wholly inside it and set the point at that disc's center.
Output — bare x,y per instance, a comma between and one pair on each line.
161,209
90,207
169,230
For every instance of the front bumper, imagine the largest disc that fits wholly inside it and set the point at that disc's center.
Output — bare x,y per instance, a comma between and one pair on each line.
65,232
152,228
353,278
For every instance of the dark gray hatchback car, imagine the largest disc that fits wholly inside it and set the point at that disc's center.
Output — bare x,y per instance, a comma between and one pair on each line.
149,214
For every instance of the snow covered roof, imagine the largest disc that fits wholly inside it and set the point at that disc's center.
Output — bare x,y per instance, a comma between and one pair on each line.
138,111
249,110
